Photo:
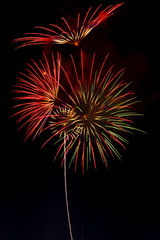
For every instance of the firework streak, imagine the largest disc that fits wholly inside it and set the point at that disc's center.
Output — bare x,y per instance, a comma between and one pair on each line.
57,35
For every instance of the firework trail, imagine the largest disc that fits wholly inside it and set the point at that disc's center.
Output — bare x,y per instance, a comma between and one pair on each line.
95,117
57,35
66,194
36,92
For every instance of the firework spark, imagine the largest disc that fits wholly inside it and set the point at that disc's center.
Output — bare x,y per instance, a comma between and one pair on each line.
97,116
57,35
37,91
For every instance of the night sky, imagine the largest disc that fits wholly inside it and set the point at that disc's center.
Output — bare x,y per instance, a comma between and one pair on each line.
121,202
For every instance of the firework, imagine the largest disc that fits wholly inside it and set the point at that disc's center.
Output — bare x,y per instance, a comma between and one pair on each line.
96,117
36,91
58,35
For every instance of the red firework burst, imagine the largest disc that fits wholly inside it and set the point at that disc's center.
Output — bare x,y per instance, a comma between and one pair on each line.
36,93
58,35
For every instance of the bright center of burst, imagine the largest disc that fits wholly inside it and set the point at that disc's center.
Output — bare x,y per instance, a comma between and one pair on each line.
85,117
76,43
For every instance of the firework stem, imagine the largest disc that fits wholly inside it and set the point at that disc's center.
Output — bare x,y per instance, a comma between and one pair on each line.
65,184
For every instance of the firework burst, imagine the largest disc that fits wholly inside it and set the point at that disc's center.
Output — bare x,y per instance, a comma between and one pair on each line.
57,35
96,117
36,92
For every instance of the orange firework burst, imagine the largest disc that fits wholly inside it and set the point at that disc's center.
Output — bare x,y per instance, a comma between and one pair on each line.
58,35
37,91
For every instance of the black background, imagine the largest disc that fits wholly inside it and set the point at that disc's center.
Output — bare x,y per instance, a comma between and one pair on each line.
119,203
